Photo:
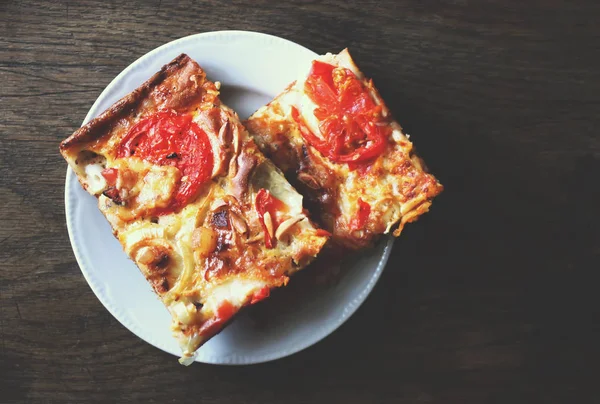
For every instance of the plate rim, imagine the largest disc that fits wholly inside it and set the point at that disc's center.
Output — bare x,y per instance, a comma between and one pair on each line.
350,307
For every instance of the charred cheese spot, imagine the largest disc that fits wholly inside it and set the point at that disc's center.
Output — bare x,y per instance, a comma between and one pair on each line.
309,180
113,194
155,260
220,219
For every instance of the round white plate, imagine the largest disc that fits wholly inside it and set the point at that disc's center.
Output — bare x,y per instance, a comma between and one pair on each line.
253,69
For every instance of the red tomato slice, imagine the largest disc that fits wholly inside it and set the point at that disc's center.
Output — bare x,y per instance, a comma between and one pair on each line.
362,217
169,138
223,314
110,175
347,116
260,294
323,233
226,310
265,202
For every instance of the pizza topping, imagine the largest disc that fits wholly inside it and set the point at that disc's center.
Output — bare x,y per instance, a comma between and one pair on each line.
113,194
145,255
309,180
246,163
323,233
169,138
286,225
223,133
155,261
157,188
260,294
185,313
94,179
238,223
268,223
351,124
218,122
160,262
360,220
226,310
223,314
110,175
266,206
217,203
204,240
235,140
89,166
128,174
234,213
220,219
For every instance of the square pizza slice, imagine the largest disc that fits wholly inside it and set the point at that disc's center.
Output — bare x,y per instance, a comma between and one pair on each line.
212,224
332,135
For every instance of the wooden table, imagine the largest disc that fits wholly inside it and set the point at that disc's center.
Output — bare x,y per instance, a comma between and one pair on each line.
489,298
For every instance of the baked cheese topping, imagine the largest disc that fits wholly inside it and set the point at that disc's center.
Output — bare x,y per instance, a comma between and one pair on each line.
95,180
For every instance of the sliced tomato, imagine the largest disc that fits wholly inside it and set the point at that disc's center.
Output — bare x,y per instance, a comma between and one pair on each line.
323,233
321,145
169,138
110,175
362,217
350,122
223,314
260,294
226,310
266,202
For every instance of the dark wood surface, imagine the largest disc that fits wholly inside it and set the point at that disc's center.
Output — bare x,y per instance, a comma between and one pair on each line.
490,298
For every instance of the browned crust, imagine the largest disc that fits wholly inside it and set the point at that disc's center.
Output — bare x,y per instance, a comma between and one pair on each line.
100,126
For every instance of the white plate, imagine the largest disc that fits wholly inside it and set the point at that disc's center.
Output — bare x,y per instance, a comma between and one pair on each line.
253,69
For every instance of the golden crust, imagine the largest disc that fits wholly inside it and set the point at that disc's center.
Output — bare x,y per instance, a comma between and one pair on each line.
100,126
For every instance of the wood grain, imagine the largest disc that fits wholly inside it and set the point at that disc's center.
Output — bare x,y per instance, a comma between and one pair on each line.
489,298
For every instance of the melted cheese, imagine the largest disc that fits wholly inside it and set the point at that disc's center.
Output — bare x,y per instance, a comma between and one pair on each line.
235,291
96,183
158,187
184,312
136,234
307,108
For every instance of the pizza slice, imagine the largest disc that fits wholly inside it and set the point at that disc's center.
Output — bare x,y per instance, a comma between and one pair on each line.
211,223
334,138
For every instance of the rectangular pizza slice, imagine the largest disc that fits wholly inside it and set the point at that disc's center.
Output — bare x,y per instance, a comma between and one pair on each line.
211,223
336,141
